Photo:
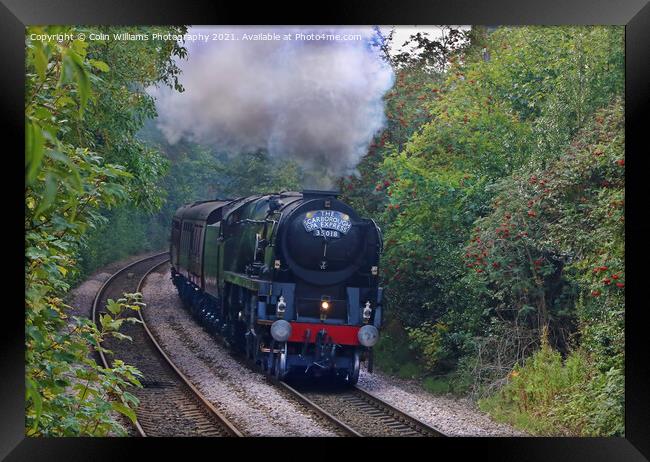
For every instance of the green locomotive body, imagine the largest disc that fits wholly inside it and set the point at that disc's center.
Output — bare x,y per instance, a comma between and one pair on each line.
291,279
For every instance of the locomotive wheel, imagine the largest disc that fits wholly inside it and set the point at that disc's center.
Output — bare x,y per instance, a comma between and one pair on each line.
269,364
239,337
187,295
280,369
249,345
353,376
195,309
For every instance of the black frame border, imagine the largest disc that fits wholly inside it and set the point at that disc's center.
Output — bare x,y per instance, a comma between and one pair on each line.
635,14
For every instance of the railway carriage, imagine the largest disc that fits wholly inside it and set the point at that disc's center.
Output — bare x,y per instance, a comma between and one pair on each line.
291,279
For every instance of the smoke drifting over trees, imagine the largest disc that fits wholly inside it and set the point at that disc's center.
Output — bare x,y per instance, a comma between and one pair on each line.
317,102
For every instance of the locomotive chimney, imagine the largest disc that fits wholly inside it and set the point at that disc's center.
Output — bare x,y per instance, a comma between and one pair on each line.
316,193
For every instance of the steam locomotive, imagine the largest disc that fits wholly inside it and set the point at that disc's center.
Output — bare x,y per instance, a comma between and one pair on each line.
289,279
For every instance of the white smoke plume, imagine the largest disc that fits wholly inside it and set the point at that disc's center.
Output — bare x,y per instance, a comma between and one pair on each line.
318,102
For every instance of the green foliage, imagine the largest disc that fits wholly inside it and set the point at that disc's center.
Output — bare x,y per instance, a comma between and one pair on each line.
566,237
557,233
498,184
549,396
121,105
457,383
257,172
132,231
436,385
427,339
68,393
68,183
409,371
393,349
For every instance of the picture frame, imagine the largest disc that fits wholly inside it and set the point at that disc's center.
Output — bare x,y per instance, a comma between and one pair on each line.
635,15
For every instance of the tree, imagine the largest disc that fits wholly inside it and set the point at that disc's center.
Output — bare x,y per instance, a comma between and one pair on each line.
67,184
508,102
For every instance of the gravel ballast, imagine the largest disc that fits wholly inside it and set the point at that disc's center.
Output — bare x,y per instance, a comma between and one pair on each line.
452,416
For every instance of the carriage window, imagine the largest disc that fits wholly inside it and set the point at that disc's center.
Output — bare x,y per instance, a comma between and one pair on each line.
231,225
190,238
197,240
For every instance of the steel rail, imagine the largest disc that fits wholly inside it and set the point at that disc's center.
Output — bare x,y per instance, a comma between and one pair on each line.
319,410
229,427
363,396
402,415
98,297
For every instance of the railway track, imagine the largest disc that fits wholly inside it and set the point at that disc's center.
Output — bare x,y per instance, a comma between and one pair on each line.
169,404
359,412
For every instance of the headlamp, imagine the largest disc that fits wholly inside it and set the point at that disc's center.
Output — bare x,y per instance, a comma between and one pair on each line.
324,307
280,330
368,335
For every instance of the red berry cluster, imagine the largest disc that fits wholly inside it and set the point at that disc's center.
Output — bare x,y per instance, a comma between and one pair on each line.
503,231
476,254
383,139
607,279
380,186
537,264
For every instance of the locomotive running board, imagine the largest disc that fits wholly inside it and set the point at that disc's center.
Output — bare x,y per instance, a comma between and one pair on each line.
242,280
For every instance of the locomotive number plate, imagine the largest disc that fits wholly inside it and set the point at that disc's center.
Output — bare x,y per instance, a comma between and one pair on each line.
327,223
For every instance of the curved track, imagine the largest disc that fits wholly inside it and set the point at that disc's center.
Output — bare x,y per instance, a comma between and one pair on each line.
169,404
